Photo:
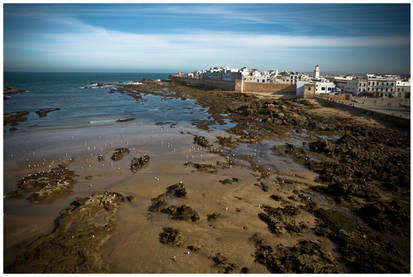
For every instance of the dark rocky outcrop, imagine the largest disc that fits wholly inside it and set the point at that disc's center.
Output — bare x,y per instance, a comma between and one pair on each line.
44,112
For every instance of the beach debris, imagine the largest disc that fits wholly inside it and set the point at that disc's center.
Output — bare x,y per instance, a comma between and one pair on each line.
89,223
45,186
119,153
171,237
44,112
139,163
213,216
228,181
100,158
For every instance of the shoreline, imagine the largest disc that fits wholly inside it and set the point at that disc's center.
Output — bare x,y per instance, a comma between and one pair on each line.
251,180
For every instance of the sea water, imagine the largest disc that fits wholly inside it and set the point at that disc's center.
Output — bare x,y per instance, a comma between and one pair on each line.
82,103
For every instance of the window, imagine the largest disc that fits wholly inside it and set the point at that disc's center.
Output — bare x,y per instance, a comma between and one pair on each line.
309,88
323,88
263,81
258,81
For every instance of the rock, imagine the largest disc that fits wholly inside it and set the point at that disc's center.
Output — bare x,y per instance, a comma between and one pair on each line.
44,112
159,203
228,181
74,244
171,237
46,186
139,163
281,220
222,263
100,158
227,141
322,146
182,212
177,190
305,257
360,250
202,141
119,153
14,118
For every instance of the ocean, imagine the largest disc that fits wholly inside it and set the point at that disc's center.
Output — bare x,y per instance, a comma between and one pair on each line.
82,103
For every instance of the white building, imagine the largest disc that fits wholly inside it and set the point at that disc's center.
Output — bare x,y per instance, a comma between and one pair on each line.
323,87
383,86
402,89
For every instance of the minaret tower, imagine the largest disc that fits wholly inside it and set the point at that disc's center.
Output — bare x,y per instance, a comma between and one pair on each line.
317,72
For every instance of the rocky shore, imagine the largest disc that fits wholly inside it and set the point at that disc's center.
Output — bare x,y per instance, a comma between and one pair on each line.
348,213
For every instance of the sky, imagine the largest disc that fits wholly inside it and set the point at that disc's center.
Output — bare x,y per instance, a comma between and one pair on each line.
346,38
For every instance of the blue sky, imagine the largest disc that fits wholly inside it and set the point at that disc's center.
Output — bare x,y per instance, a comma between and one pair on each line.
184,37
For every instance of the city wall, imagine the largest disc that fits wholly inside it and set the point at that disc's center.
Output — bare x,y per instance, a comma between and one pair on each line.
402,123
268,87
205,83
235,85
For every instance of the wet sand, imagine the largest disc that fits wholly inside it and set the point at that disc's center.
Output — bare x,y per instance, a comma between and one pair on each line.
135,246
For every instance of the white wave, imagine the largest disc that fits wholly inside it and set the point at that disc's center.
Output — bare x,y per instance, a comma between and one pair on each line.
102,121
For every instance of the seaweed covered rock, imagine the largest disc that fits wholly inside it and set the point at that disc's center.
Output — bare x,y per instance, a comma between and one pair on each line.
176,190
322,146
119,153
222,263
74,245
386,216
14,118
360,250
46,186
281,220
227,141
182,212
158,203
306,256
171,237
138,163
201,141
